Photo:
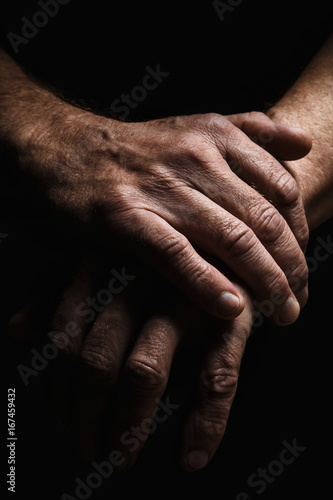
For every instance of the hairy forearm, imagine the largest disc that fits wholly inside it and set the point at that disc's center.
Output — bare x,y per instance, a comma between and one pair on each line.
309,104
27,109
19,97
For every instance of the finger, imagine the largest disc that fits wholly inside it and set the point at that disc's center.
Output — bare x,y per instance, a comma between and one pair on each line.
281,141
218,381
216,232
101,359
272,230
68,329
171,253
258,168
74,314
143,383
268,225
237,245
274,182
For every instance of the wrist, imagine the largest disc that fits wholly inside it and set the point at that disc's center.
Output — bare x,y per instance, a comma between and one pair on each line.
42,129
26,110
314,172
315,189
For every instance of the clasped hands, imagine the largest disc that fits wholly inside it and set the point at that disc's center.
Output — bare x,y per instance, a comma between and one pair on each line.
202,213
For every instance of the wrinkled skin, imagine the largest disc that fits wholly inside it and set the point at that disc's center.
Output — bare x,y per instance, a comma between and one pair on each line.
122,351
173,189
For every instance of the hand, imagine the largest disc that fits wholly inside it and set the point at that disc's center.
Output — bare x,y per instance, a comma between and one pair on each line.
114,362
166,191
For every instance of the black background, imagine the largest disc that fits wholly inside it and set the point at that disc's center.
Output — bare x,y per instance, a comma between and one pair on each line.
94,52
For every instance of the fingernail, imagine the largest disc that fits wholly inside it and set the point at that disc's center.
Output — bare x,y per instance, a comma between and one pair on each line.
197,459
227,304
303,296
290,311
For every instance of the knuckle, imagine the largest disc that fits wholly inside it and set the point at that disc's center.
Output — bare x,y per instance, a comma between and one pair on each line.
220,383
270,224
298,275
238,239
303,235
277,282
188,140
69,344
298,224
101,364
173,246
200,274
214,125
196,271
213,423
193,148
286,189
65,343
145,374
212,119
179,252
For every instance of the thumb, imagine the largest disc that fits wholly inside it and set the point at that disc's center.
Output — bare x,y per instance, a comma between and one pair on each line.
281,141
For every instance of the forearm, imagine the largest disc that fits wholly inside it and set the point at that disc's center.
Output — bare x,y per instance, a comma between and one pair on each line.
20,98
309,104
27,110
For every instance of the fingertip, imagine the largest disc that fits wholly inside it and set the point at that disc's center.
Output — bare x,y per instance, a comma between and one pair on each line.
290,143
303,144
229,305
304,136
303,296
195,460
286,314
